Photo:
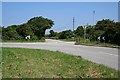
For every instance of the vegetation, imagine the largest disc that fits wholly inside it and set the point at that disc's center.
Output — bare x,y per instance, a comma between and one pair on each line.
66,34
68,40
41,40
107,30
79,32
52,33
33,63
0,33
35,27
95,43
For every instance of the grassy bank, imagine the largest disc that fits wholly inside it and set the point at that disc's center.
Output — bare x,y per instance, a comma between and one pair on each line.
95,43
29,63
41,40
87,42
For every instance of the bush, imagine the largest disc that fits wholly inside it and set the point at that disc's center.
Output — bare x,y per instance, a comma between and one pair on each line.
66,34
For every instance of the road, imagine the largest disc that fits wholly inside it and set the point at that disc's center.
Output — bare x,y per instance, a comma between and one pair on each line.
100,55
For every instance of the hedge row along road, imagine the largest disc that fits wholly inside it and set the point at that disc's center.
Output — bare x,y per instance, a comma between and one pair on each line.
100,55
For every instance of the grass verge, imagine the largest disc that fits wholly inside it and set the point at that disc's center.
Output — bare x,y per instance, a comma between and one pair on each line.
42,40
96,43
87,42
34,63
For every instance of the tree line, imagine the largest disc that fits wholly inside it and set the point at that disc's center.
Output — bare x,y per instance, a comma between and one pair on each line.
106,28
35,27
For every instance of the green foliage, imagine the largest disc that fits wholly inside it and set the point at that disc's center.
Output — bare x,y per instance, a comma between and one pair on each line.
79,31
90,32
10,33
116,38
95,43
109,29
0,33
39,25
35,27
52,33
103,24
24,30
0,30
104,28
66,34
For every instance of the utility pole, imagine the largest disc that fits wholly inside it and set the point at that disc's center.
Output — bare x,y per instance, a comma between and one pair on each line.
73,23
73,28
93,17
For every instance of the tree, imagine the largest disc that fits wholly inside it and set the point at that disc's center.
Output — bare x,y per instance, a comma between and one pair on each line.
39,25
24,30
35,27
109,29
66,34
90,32
10,33
101,25
0,32
79,31
52,33
102,28
116,38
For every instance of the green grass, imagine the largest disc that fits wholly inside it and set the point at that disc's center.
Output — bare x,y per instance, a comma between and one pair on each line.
87,42
42,40
95,43
34,63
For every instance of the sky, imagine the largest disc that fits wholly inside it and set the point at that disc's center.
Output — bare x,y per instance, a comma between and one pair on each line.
60,0
119,11
62,13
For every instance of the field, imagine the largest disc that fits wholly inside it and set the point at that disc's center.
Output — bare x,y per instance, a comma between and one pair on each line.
34,63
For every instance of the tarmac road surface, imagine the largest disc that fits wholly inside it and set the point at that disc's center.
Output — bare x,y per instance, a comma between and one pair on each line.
101,55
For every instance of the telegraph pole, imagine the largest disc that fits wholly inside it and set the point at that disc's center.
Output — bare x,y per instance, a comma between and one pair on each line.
93,17
73,23
73,28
